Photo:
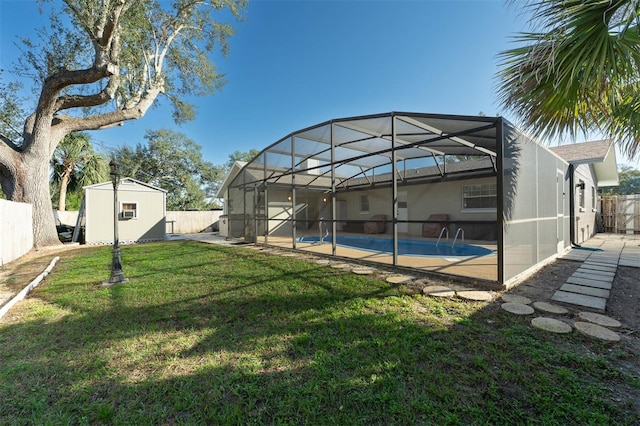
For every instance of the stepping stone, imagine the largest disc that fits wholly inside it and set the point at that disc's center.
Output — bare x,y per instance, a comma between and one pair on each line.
399,279
514,298
550,308
438,291
476,295
599,319
597,303
604,261
599,265
362,271
583,289
517,308
596,273
290,255
597,331
593,277
552,325
341,266
589,283
322,261
592,267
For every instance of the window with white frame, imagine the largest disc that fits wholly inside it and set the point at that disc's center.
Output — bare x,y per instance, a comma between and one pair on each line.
129,210
581,186
479,197
594,198
364,204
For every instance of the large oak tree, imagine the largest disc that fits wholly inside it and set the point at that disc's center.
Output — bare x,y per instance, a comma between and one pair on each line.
101,63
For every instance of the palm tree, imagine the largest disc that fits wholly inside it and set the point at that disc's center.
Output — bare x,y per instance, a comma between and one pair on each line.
76,164
579,72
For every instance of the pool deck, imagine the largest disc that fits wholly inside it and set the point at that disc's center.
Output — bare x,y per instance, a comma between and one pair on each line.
480,267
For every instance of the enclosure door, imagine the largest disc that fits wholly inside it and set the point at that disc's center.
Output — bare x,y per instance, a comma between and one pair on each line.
560,209
403,212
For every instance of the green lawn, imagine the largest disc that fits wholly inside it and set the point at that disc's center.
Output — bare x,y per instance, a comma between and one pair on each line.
226,335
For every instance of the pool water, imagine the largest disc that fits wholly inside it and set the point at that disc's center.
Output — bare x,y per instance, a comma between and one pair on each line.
405,247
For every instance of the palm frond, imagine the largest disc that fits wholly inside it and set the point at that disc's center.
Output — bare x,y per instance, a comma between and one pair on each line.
567,76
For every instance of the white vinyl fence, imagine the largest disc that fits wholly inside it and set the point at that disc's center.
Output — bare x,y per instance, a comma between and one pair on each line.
16,230
178,222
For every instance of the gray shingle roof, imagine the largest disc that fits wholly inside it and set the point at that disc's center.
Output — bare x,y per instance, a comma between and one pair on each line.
585,152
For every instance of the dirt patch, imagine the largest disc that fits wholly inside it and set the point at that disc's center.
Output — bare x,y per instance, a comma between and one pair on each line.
625,295
14,276
541,286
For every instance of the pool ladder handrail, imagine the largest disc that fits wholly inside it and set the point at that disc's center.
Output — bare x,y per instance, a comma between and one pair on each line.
444,230
326,230
458,232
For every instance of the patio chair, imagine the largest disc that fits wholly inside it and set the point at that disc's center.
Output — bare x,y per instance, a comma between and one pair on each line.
432,230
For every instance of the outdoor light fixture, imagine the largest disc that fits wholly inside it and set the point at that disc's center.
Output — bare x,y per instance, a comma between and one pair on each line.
117,276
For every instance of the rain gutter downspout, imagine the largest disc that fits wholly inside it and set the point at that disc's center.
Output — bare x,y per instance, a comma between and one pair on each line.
572,211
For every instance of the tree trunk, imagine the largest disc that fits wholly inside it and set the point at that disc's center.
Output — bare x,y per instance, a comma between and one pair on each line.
36,191
32,181
62,198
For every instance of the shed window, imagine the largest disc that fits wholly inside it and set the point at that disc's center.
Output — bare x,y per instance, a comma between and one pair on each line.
479,197
129,210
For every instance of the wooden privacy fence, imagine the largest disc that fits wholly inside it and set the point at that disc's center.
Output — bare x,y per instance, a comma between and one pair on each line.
621,213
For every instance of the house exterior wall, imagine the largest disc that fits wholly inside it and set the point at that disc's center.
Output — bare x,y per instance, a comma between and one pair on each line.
585,214
149,225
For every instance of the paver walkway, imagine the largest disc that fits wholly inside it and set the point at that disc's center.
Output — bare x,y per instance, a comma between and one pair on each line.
590,285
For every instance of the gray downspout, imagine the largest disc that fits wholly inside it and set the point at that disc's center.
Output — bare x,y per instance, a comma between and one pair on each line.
572,208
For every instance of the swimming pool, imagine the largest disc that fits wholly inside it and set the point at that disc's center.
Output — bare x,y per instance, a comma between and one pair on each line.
405,247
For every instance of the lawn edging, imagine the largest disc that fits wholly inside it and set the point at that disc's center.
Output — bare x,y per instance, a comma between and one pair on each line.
25,291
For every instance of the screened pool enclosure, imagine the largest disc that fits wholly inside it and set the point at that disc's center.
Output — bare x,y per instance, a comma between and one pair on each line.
388,181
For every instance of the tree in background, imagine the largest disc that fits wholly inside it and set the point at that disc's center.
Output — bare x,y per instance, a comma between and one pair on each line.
629,179
11,111
241,156
76,164
171,161
578,72
102,64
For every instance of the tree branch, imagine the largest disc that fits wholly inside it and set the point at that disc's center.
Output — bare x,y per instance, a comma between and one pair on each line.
101,121
100,98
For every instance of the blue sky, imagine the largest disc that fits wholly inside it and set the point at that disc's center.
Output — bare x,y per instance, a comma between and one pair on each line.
294,64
